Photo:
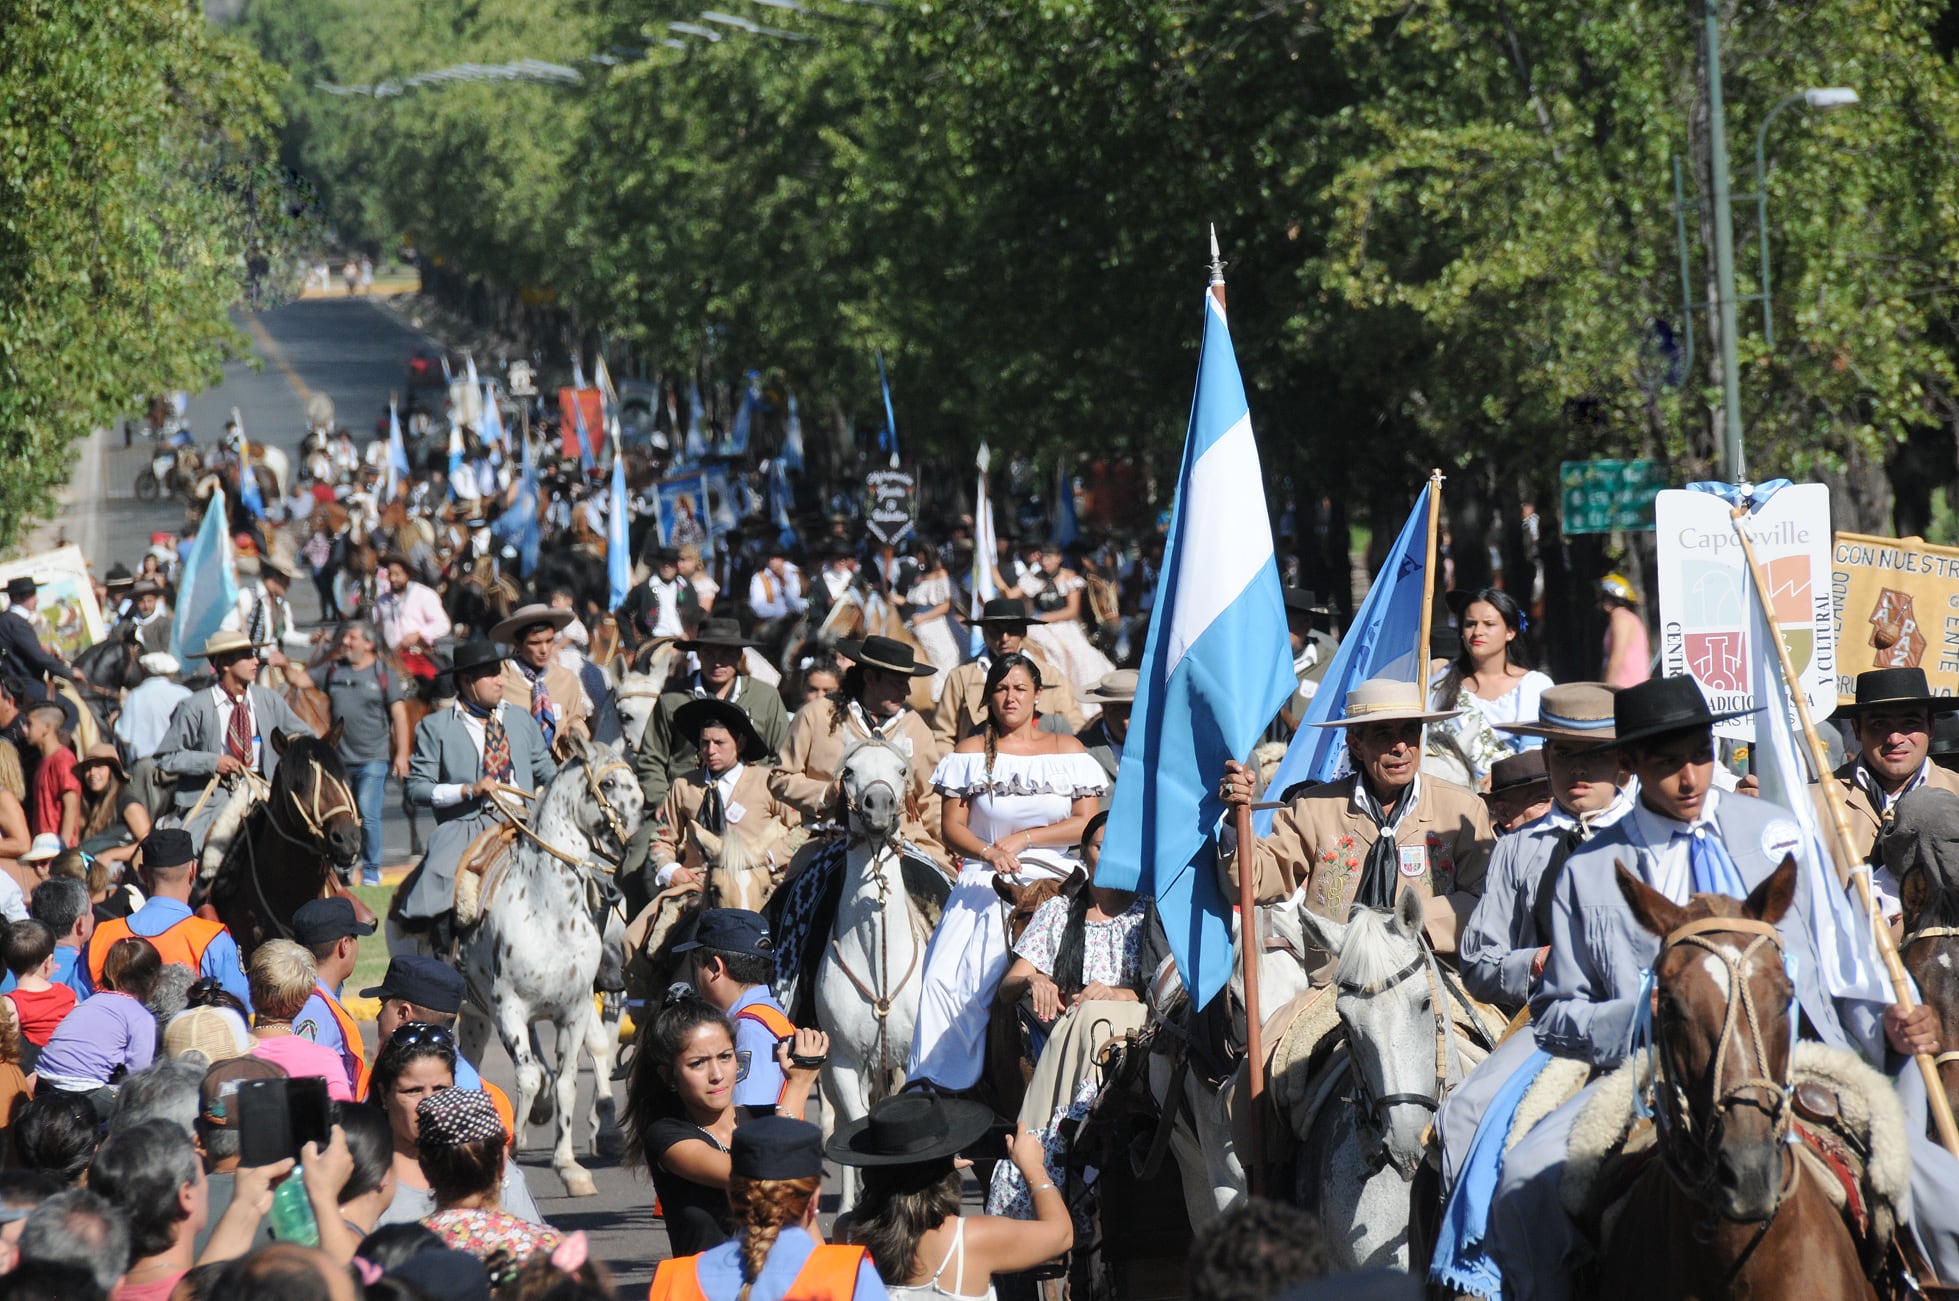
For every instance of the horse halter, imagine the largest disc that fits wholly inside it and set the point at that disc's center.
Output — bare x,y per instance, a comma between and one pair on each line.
1374,1110
612,819
309,808
1673,1113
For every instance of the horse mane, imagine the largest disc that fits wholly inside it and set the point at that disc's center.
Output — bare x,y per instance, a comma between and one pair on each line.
1372,950
304,749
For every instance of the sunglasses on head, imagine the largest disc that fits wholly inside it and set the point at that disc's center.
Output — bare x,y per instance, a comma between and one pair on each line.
410,1033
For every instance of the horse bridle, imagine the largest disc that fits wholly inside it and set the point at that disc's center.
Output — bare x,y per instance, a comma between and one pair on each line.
612,819
1673,1112
881,1002
1374,1110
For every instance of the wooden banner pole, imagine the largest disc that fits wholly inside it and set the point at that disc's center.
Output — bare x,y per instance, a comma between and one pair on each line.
1428,581
1248,951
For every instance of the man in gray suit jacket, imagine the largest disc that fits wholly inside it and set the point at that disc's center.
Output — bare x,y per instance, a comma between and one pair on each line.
1681,838
224,730
461,754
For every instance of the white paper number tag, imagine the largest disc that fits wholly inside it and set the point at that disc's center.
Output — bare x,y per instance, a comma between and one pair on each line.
1414,861
734,812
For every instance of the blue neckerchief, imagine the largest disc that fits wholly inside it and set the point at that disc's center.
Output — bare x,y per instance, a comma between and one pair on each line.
1713,869
1461,1257
473,709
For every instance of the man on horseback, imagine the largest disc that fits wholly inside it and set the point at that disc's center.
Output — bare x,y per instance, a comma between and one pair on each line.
149,620
1359,839
961,710
169,860
662,606
224,731
21,652
871,702
1682,837
1892,718
727,795
535,682
664,753
265,615
463,756
411,617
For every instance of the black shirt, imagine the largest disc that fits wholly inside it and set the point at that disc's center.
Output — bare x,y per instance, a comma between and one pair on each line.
697,1215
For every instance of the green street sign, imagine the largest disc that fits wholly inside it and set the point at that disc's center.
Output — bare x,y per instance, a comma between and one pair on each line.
1609,496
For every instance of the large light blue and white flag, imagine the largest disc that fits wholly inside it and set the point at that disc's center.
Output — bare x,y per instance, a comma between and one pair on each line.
745,411
209,590
397,453
1379,644
1845,947
985,551
618,550
1215,670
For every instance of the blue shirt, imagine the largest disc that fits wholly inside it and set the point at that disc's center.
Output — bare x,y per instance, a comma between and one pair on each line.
317,1022
719,1269
70,970
220,958
758,1077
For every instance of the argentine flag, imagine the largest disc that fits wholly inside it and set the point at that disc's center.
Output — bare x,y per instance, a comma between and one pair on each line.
985,552
618,551
397,454
209,590
1214,672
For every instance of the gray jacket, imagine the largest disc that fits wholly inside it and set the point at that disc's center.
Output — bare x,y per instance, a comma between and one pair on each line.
445,754
1095,738
194,741
1584,1004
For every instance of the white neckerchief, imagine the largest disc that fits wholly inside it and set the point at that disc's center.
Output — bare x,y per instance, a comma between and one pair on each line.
1593,823
889,729
1306,658
1665,861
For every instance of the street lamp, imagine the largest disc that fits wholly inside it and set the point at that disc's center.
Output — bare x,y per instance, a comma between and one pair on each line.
1824,99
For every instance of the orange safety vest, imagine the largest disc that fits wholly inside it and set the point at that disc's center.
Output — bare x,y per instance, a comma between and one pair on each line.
350,1043
830,1274
776,1023
184,942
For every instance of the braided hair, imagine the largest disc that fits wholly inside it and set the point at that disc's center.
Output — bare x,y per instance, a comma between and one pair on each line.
995,675
762,1207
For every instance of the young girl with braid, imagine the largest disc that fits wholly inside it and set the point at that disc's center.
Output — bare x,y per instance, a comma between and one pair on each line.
775,1171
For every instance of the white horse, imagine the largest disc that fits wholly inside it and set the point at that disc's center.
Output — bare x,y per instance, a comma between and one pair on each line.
638,695
535,952
1202,1143
867,988
1403,1055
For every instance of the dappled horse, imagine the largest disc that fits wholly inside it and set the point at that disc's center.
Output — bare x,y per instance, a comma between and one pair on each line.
300,842
1729,1207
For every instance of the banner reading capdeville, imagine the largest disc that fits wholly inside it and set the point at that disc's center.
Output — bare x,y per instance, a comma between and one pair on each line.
1897,602
1704,595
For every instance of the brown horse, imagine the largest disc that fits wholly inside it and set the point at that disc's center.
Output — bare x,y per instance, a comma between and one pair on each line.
1921,849
302,843
1728,1209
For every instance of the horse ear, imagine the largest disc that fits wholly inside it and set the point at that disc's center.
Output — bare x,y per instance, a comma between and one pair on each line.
1650,908
1408,912
332,736
280,741
1768,901
1326,934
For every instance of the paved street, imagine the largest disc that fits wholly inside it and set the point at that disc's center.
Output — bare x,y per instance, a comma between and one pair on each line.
355,351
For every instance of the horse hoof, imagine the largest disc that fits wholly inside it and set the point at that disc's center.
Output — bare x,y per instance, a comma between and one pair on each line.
543,1109
579,1183
610,1143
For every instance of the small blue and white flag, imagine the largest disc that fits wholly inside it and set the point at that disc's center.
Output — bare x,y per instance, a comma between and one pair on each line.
397,453
887,440
985,552
618,550
696,444
1379,644
209,589
585,461
490,428
1214,671
792,439
751,402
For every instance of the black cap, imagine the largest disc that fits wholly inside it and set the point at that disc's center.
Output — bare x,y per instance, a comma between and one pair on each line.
425,982
731,930
321,921
445,1275
168,847
776,1147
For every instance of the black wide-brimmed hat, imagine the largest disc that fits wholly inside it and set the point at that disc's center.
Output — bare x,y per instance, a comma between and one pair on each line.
1518,772
690,718
1661,707
910,1128
1001,610
717,632
886,653
118,576
1879,688
474,657
1301,600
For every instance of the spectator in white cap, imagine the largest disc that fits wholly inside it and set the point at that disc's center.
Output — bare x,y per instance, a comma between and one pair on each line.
145,717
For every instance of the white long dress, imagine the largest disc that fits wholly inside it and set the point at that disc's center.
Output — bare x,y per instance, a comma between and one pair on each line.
968,952
935,634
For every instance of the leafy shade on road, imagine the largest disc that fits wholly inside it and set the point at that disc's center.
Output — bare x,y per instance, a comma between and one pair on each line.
1450,223
129,195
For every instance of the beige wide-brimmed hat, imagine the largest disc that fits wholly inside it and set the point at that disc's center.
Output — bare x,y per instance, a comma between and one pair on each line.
1384,700
528,617
1118,688
224,642
1570,711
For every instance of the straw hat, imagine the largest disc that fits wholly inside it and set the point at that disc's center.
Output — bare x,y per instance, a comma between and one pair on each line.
1384,700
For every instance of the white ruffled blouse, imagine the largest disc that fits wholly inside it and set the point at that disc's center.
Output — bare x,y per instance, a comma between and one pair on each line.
1021,791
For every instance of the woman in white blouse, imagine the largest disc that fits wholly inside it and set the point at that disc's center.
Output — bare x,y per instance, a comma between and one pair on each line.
1486,682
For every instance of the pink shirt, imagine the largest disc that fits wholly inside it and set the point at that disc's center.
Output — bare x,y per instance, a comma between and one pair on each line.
304,1057
417,609
1636,667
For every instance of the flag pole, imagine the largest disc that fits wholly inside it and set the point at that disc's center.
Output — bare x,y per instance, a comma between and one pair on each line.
1428,581
1248,940
1846,854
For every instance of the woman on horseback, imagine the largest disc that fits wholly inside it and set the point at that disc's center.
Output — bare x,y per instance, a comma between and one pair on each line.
114,821
1016,801
681,1114
929,611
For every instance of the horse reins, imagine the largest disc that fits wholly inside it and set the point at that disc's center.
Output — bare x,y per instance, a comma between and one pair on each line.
1376,1108
1674,1112
881,1004
515,817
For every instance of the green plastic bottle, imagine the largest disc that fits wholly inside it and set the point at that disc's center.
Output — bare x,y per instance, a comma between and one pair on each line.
292,1212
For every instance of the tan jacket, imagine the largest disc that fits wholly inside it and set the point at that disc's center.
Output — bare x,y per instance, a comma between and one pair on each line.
1322,838
757,805
1865,824
962,704
814,750
568,698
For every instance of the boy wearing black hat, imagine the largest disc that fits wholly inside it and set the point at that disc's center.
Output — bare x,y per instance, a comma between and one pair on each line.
331,932
731,964
727,795
961,709
1682,837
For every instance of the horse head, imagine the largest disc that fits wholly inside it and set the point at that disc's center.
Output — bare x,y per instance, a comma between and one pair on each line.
734,862
312,799
637,697
1921,848
1721,1008
606,802
1386,991
874,776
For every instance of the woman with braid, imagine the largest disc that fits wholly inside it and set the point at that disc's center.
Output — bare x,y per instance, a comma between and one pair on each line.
775,1173
1016,802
